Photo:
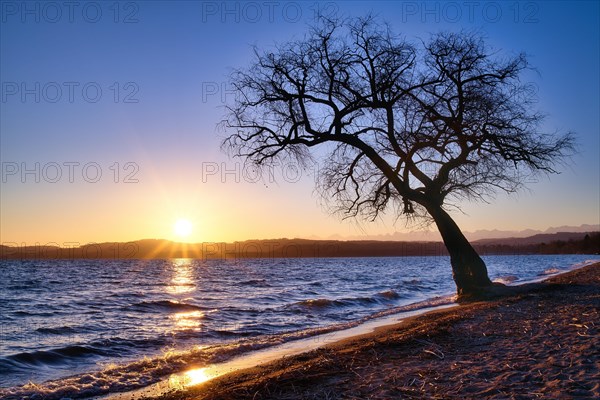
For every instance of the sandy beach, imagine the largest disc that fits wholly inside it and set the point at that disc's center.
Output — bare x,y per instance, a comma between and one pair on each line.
541,343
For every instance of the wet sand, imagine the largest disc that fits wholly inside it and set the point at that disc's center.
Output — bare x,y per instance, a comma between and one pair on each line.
541,343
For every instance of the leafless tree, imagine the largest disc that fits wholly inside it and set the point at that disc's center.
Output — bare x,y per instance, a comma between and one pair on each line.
412,127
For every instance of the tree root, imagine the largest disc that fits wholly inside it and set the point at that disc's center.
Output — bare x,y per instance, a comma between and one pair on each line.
496,291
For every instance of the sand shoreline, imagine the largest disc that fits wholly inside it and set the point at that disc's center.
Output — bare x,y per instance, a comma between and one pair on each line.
542,343
276,352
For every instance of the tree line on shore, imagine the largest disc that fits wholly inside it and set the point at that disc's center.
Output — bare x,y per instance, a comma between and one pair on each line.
584,243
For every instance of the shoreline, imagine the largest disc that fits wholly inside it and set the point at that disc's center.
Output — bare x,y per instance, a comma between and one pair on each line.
302,372
170,376
257,358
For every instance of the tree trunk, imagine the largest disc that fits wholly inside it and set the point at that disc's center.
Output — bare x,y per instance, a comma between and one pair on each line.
468,269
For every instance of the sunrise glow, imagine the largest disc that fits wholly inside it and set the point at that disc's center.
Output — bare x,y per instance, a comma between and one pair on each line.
183,228
156,178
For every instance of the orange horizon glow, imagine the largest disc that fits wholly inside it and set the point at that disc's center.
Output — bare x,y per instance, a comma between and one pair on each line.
223,210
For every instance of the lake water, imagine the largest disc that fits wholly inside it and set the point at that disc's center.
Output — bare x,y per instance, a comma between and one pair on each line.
98,326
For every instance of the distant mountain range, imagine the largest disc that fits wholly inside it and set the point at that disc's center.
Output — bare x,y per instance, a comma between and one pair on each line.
544,243
434,235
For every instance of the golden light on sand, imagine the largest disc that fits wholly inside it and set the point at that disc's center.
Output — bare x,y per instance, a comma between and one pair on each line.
183,228
193,377
197,376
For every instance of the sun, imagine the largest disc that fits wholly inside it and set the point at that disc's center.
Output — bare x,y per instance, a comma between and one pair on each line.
183,228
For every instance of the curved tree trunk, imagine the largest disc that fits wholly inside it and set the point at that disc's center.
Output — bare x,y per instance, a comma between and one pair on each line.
468,269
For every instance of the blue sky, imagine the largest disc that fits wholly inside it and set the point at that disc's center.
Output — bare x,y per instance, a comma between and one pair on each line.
168,63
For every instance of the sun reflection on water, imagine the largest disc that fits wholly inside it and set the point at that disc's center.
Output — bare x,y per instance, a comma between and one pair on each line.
182,280
188,320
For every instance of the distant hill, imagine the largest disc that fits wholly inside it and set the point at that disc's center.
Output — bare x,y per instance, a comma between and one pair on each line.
555,243
535,239
434,235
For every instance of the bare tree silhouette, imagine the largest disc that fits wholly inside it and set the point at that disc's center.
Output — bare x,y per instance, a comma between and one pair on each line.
413,127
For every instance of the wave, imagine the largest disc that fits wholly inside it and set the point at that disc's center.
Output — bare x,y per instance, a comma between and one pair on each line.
73,354
388,294
138,374
421,305
255,282
508,279
30,313
166,305
551,271
318,303
56,356
61,330
583,264
130,376
24,284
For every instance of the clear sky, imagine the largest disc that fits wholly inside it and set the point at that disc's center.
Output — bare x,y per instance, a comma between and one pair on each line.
109,112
